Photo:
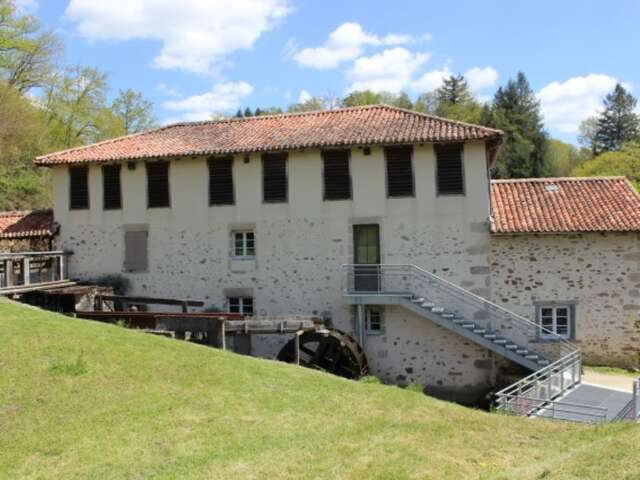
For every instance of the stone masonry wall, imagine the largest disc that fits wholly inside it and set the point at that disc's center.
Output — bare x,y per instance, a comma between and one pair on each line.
600,273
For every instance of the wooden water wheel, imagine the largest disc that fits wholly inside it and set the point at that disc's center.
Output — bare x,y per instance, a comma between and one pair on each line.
332,351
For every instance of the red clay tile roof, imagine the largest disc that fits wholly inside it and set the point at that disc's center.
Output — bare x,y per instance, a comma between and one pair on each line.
564,205
368,125
38,223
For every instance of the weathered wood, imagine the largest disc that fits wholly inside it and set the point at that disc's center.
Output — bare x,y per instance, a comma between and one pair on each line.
37,286
152,301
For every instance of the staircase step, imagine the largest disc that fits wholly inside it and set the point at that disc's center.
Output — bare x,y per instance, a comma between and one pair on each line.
479,331
470,326
543,362
532,356
511,346
500,341
428,305
437,309
522,351
447,315
417,300
459,321
490,336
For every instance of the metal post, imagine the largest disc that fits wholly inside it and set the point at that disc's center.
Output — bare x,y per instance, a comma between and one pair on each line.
360,324
223,334
61,259
26,271
636,396
296,347
9,272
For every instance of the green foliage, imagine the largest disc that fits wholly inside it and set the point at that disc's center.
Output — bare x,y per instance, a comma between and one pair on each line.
133,111
368,97
415,387
618,123
311,105
625,161
516,111
370,379
24,187
73,369
563,158
248,112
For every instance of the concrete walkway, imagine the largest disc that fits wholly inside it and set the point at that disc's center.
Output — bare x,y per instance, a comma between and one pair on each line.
619,382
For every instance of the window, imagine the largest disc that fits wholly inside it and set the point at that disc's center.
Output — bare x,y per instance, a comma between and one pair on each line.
243,305
274,177
374,321
244,244
555,319
111,191
337,179
158,185
135,250
221,181
450,174
399,172
78,188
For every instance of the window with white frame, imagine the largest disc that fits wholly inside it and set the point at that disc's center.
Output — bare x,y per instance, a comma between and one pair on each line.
555,320
243,305
244,244
374,321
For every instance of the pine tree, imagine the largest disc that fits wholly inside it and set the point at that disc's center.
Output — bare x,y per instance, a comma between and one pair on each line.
618,123
239,114
248,112
516,111
454,100
258,112
454,91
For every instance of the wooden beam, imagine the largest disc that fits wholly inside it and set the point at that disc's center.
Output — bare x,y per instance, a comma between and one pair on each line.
154,301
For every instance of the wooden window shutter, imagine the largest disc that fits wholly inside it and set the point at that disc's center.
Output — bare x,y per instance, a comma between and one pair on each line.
274,177
450,174
135,250
337,178
158,185
78,188
399,171
111,189
221,181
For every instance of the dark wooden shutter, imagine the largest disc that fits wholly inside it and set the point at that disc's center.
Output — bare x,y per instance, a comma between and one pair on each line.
111,191
78,188
399,171
449,169
221,181
337,179
158,184
135,250
274,177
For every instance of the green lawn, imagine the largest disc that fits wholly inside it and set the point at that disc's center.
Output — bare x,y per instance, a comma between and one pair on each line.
612,371
82,400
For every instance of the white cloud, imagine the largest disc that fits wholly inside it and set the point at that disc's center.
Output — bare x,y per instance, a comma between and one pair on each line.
196,35
345,43
390,70
169,91
565,104
480,78
304,96
223,97
431,80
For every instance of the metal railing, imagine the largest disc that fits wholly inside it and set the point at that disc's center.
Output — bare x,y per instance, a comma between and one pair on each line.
28,269
413,281
631,411
557,409
525,397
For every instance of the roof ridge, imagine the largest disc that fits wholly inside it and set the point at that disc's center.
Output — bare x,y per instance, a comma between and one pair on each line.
558,179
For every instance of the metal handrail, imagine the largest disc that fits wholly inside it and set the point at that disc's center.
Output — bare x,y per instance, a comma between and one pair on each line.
408,269
24,270
560,406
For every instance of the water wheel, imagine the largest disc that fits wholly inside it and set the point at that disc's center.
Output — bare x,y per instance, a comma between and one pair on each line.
334,352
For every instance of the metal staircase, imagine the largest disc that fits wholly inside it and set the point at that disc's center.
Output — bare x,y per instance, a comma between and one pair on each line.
556,363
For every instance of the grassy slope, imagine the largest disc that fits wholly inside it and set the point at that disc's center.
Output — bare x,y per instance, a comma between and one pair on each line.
154,407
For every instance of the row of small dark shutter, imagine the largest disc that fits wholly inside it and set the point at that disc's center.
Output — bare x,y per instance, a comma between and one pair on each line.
336,173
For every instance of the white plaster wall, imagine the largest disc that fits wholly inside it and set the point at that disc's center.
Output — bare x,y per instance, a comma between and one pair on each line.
300,246
599,272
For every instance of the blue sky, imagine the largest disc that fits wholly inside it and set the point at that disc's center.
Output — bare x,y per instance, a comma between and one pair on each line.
194,58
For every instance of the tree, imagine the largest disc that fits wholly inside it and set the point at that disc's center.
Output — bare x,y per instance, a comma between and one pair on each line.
454,100
618,123
310,105
258,112
269,111
563,158
516,111
587,134
248,112
73,102
454,90
361,97
239,114
27,54
426,103
133,111
625,161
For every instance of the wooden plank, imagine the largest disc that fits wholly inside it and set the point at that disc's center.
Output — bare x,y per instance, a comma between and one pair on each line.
36,286
153,301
